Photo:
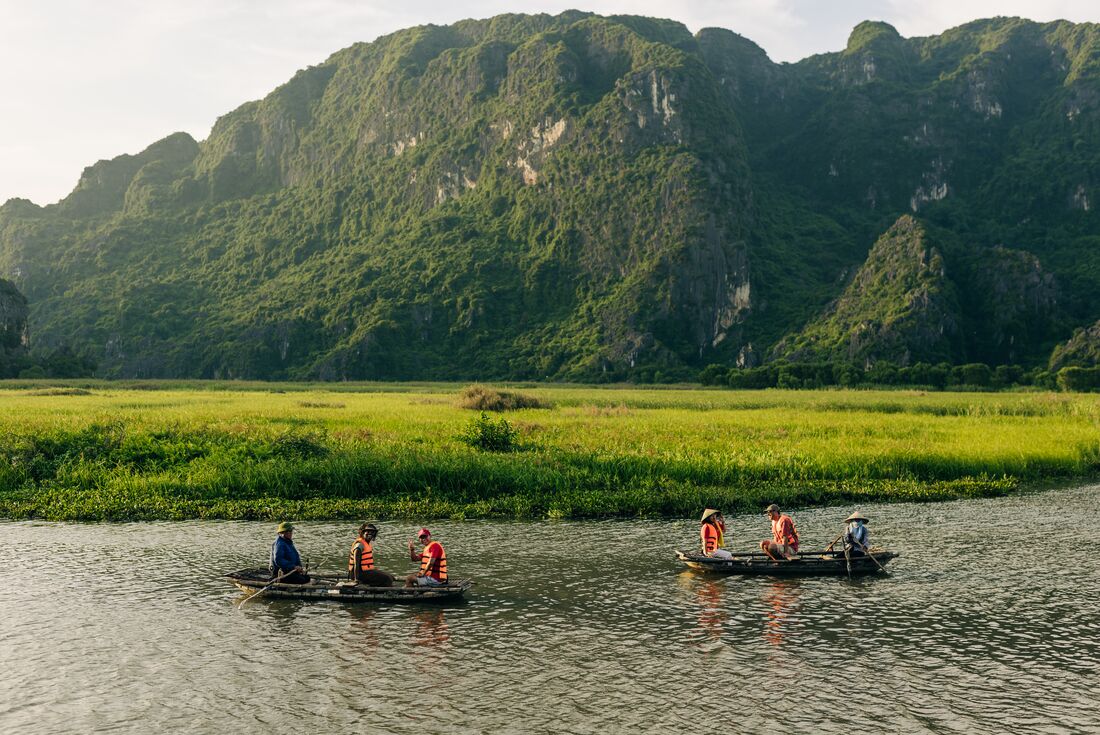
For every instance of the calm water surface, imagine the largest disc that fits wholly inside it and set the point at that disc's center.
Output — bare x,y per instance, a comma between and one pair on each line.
990,623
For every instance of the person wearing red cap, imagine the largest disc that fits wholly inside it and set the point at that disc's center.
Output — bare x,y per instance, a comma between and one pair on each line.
433,562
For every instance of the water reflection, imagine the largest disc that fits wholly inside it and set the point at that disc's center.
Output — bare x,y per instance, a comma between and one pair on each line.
431,629
712,612
362,635
782,603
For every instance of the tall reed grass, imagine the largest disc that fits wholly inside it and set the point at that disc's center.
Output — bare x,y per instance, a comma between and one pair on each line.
111,452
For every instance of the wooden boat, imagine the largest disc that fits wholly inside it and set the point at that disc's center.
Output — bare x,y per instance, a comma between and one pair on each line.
807,564
324,587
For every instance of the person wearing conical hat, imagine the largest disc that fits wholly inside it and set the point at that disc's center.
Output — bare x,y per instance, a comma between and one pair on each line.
856,538
712,530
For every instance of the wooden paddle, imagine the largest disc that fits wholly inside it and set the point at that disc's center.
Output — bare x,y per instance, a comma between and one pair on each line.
831,543
284,574
876,561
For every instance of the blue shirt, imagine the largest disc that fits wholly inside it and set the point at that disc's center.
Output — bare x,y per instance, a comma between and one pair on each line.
859,533
284,556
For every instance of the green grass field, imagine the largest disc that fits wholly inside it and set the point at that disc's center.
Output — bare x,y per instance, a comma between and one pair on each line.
172,451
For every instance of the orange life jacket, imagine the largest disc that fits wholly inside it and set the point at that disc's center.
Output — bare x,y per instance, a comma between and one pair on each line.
434,566
782,538
712,537
366,561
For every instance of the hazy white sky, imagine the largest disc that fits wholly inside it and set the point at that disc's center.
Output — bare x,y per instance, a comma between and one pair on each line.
82,80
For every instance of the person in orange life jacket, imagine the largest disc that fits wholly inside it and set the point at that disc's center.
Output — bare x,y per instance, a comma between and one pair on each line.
712,529
361,567
784,541
285,561
433,562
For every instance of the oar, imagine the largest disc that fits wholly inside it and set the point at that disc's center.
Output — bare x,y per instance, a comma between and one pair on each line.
284,574
876,561
830,546
848,562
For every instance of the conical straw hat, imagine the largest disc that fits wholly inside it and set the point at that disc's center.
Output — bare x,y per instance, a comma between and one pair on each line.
857,516
707,514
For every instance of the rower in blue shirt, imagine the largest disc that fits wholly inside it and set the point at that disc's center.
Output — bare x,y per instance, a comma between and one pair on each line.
856,538
285,560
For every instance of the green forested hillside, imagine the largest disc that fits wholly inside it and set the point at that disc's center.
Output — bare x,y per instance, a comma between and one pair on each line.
579,197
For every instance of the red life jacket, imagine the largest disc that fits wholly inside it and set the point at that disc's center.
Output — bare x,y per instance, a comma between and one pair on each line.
784,532
711,534
366,561
434,566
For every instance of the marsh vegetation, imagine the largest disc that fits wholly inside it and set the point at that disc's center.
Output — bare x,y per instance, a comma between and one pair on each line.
253,451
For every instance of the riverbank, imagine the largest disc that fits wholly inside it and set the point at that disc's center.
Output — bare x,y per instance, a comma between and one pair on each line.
153,452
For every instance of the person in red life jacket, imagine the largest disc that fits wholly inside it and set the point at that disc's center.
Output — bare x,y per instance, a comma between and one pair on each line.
433,562
784,541
712,530
361,567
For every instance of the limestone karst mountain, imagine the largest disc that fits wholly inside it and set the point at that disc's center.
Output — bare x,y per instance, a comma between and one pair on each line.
585,197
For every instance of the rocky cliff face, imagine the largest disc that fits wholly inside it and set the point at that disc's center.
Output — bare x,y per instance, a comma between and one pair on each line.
1010,303
900,307
580,197
912,301
13,318
1081,350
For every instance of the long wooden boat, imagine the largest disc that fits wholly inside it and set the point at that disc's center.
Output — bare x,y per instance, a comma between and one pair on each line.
323,587
807,564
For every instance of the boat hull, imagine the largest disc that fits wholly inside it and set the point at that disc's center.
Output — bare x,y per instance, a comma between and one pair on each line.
335,588
819,564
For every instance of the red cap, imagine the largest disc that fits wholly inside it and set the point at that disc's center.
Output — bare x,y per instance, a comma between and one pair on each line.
423,532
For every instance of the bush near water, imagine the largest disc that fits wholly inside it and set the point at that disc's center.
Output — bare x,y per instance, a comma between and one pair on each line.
395,451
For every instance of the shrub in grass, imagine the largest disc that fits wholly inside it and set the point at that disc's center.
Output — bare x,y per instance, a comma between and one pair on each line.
291,445
483,398
491,435
60,392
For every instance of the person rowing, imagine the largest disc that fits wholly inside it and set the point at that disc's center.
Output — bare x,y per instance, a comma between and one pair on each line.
285,562
784,541
856,538
361,567
712,529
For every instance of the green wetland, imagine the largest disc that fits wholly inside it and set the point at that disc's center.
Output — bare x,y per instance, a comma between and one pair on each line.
163,451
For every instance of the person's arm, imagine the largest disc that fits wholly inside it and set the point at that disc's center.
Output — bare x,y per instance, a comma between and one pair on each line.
788,531
413,554
358,565
283,561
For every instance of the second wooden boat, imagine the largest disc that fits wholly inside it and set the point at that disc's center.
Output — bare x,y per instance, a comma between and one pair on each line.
808,564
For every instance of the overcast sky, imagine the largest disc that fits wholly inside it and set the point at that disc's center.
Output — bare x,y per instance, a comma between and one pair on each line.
82,80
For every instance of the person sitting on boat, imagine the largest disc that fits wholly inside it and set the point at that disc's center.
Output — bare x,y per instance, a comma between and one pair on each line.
361,567
856,538
712,529
433,562
285,560
784,541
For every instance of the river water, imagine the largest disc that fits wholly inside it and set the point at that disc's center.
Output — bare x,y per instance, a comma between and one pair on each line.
989,623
